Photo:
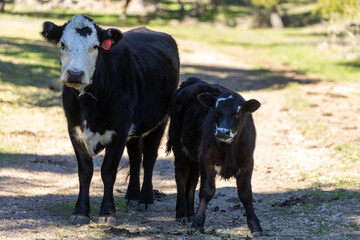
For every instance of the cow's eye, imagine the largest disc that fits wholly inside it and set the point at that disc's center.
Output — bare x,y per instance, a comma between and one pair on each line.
95,46
237,115
62,46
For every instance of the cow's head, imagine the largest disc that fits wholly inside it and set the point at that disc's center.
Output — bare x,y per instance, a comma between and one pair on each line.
230,111
80,42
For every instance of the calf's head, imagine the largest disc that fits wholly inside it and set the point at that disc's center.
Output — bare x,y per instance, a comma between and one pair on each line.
80,40
230,110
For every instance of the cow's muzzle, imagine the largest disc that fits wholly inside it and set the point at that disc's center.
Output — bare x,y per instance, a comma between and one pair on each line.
224,135
75,77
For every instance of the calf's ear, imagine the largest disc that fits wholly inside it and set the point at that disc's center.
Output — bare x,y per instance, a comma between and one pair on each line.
109,34
251,106
207,100
52,32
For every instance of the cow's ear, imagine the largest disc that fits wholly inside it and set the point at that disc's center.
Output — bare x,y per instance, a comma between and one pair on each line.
251,106
52,32
109,34
207,100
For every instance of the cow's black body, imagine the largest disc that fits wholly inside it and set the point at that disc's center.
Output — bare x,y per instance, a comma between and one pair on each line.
133,84
196,149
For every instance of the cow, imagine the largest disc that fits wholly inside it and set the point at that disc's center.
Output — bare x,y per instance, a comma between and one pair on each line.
211,132
117,92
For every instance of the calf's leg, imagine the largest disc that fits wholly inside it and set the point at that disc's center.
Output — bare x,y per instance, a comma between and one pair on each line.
190,189
182,170
207,191
150,152
134,148
108,174
80,214
245,194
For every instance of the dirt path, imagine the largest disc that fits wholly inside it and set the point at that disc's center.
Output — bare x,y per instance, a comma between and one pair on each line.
294,163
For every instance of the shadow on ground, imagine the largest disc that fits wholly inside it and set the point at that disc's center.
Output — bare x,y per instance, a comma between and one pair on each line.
302,211
43,75
243,79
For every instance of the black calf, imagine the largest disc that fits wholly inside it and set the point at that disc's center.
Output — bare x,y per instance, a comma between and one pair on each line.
211,130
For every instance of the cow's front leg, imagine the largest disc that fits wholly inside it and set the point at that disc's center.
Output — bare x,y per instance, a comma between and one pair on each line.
207,191
108,174
80,215
243,181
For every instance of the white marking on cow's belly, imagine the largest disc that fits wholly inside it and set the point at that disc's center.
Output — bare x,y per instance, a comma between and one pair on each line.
91,139
131,130
217,169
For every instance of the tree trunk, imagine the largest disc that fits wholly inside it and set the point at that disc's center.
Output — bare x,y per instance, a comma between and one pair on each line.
140,7
214,5
2,5
275,19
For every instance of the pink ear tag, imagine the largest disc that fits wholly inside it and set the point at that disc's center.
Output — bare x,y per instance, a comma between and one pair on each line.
106,44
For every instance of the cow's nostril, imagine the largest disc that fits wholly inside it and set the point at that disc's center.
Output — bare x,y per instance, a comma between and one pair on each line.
75,76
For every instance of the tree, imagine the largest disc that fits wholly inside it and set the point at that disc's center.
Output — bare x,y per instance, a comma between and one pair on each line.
2,5
269,8
339,9
139,7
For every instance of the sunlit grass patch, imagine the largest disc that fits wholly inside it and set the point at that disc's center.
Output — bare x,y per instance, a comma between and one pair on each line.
350,152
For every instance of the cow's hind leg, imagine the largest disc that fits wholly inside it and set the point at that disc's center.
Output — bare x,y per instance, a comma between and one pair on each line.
134,148
243,181
190,189
109,167
150,151
80,215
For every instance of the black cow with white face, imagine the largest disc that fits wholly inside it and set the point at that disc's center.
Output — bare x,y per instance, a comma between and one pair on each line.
211,132
117,92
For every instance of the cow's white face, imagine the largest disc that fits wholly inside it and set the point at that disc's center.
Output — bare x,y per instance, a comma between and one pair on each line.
79,40
78,52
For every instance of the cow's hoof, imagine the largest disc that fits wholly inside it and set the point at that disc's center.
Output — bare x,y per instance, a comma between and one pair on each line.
190,219
195,227
143,207
132,203
257,234
79,220
108,220
181,220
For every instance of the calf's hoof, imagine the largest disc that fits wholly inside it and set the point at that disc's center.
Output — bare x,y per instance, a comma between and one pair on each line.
132,203
78,220
108,220
257,234
196,227
146,207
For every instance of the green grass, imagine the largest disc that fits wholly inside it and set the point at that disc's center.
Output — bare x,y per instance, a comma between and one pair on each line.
350,152
297,48
65,208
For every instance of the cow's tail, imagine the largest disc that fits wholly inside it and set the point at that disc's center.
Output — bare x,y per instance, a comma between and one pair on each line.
171,132
176,113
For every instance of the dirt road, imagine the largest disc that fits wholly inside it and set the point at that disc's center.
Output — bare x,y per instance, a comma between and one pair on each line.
305,186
